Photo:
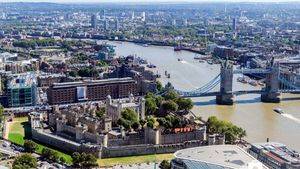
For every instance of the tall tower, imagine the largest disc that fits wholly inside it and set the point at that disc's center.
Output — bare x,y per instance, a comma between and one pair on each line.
234,24
117,25
106,24
271,92
94,21
102,14
143,16
132,15
225,96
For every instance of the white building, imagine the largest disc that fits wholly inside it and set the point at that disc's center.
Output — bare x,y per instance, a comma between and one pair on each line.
215,157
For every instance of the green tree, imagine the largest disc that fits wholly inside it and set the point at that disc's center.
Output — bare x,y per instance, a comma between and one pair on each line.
159,86
184,104
29,146
73,73
24,161
129,119
151,122
50,154
150,105
62,160
165,165
169,106
84,160
171,95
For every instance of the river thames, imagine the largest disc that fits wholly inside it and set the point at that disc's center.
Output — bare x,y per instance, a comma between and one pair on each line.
259,119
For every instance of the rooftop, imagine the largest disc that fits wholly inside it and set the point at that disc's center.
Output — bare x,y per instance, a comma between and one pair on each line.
229,156
93,82
22,80
279,152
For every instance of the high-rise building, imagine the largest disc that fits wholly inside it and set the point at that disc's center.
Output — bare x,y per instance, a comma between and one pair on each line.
234,24
117,25
106,24
22,90
185,22
102,14
174,22
94,21
143,16
132,15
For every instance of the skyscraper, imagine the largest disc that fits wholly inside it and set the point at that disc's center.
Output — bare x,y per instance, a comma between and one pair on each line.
117,25
94,21
132,15
106,24
102,14
143,16
234,24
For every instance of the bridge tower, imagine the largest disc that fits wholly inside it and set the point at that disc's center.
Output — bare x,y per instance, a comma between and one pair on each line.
271,92
225,97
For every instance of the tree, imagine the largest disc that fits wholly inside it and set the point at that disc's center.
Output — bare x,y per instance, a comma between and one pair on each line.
165,165
62,160
150,105
184,104
84,160
151,122
73,73
29,146
24,161
169,106
50,154
171,95
159,86
100,113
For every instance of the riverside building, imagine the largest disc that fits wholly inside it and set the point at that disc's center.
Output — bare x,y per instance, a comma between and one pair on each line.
91,90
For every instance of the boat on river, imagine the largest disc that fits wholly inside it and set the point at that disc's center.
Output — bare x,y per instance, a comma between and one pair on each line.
278,110
177,48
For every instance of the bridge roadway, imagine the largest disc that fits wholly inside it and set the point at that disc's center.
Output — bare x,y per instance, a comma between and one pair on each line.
241,92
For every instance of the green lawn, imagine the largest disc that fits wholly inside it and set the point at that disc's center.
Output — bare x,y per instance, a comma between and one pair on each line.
19,130
134,159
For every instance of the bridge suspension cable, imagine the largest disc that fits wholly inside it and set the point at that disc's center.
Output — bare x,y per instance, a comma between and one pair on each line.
202,90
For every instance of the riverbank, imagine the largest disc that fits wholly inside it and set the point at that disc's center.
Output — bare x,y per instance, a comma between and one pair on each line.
157,43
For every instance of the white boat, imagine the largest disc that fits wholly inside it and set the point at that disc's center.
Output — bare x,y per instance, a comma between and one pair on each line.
278,110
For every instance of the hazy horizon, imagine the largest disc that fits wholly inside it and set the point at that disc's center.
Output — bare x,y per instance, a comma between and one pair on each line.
146,1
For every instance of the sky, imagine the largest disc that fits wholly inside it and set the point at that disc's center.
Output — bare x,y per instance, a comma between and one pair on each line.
144,1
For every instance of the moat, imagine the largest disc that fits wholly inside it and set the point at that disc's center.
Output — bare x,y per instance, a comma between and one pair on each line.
259,119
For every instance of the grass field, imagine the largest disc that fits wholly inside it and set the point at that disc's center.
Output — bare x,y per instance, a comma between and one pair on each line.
19,130
134,159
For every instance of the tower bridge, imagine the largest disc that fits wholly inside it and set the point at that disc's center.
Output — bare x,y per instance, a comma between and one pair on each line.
277,81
